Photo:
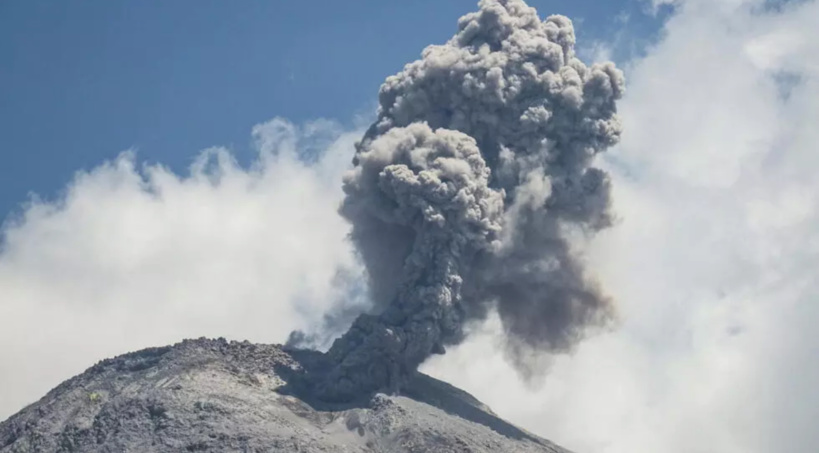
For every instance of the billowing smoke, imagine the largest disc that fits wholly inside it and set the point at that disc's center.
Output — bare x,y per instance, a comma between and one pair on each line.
467,190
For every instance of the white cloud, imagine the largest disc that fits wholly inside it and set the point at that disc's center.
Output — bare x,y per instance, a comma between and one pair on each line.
714,261
134,257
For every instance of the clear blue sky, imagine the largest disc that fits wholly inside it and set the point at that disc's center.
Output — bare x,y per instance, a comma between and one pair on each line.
81,81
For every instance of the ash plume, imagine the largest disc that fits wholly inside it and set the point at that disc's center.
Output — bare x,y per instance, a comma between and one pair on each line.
466,191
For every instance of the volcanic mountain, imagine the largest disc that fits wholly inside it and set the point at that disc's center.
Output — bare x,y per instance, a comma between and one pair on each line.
218,396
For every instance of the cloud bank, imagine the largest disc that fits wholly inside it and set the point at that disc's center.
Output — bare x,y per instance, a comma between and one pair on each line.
134,256
712,261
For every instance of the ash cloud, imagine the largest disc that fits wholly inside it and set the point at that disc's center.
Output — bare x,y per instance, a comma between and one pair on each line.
465,193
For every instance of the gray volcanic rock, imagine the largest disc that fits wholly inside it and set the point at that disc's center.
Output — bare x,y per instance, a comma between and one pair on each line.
219,396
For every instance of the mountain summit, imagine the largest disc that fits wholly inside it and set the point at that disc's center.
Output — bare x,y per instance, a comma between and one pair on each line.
218,396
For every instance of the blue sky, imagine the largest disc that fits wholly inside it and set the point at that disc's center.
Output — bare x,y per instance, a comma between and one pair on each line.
82,81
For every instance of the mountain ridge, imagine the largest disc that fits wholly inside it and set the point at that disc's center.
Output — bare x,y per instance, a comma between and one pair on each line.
214,395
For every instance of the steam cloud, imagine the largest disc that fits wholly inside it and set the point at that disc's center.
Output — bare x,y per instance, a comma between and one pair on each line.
466,191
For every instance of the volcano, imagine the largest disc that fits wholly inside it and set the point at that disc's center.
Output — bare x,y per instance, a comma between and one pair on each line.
217,396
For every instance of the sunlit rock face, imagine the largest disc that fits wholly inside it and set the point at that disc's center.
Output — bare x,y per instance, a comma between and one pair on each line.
212,395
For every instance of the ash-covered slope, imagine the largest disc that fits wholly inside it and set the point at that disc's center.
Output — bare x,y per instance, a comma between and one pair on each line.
214,395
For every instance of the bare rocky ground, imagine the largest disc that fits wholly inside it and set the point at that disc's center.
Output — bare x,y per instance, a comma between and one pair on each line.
218,396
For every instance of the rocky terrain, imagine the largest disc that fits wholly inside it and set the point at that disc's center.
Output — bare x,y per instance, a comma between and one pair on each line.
219,396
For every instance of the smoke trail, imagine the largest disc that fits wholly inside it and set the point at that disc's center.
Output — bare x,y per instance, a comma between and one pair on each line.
466,189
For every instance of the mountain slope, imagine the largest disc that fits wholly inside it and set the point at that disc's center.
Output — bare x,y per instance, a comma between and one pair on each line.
214,395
